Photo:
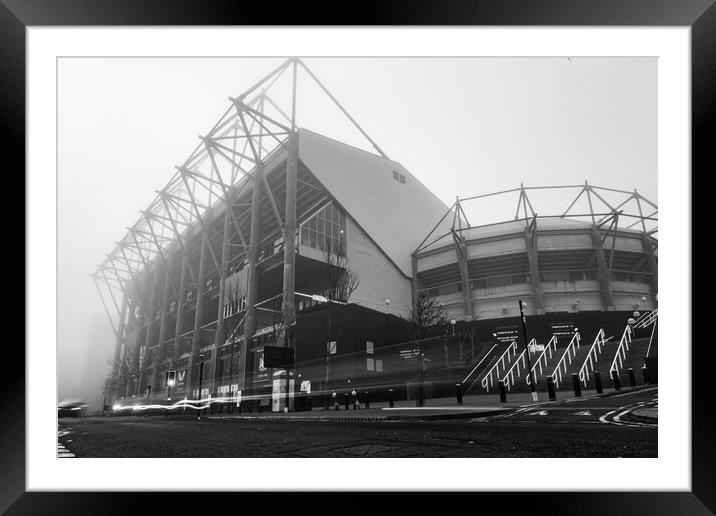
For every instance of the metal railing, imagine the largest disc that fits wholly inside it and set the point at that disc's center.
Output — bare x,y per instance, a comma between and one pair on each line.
592,356
646,319
550,348
651,339
487,380
621,351
514,371
569,353
475,369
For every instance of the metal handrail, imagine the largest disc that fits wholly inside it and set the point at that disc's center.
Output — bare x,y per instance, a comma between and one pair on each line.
569,353
487,380
646,319
478,364
551,345
621,351
651,339
509,379
594,351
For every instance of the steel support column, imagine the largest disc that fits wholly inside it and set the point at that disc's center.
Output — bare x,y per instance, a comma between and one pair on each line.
181,296
533,258
161,356
220,335
116,369
289,248
252,280
198,312
461,252
148,326
604,279
414,280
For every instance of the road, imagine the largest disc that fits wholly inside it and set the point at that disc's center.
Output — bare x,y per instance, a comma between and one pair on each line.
584,427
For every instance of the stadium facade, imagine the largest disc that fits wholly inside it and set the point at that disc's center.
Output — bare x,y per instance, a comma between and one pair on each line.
270,234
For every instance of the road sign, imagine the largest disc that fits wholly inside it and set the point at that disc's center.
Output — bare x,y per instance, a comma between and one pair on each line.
275,356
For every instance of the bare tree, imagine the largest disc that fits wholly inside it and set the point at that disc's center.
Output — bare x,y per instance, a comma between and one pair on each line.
341,280
235,321
341,283
426,315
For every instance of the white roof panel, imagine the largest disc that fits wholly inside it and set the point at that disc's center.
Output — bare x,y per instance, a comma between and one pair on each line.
396,215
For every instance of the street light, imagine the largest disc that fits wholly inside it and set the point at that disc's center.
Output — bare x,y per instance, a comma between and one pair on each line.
527,353
452,323
171,381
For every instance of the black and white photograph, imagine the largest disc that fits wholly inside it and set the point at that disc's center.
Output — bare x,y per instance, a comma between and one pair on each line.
358,257
363,258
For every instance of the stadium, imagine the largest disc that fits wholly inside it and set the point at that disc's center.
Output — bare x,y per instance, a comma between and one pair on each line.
272,235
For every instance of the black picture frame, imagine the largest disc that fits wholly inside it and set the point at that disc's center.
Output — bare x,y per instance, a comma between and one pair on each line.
699,15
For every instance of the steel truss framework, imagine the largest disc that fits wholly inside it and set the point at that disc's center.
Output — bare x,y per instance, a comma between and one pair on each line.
224,175
608,210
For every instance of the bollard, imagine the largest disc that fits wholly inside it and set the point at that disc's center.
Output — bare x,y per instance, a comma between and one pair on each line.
390,398
598,382
503,392
615,379
632,378
645,374
575,384
345,400
550,389
367,399
458,393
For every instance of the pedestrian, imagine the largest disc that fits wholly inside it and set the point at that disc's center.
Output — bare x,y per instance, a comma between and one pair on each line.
356,405
335,401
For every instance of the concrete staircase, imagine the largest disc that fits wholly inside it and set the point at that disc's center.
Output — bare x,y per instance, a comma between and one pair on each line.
634,359
484,363
502,354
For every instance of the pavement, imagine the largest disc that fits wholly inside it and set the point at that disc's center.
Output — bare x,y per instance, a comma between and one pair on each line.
648,414
477,405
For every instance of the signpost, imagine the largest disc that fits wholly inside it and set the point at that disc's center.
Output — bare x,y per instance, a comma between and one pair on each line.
527,354
275,356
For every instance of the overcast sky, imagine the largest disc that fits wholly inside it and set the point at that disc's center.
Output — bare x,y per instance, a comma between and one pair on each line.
462,126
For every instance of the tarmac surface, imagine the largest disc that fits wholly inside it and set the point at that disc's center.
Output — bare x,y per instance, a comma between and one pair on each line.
617,424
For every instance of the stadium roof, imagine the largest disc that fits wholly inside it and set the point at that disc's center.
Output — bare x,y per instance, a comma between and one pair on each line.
395,213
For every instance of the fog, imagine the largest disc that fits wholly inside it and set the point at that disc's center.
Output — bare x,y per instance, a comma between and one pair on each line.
461,126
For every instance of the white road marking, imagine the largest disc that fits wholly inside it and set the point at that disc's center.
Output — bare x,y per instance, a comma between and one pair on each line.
63,452
621,411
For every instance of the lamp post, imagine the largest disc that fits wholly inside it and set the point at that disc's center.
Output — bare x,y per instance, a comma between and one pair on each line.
201,378
527,353
170,383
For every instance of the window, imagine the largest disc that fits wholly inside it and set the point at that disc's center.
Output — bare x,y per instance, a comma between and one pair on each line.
236,306
325,231
398,176
371,363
